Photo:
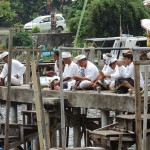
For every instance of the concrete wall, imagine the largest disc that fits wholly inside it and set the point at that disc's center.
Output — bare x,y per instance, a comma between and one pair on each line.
55,39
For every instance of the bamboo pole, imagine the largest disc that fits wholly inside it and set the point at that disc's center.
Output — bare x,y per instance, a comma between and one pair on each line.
63,130
137,106
80,21
6,142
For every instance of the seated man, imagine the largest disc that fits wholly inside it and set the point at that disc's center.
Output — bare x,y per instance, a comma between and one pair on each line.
124,75
88,72
56,70
104,80
17,71
71,68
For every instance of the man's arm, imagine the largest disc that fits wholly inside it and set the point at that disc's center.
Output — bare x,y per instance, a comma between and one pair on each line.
80,78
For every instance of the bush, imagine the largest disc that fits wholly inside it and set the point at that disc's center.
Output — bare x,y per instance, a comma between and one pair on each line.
36,29
22,38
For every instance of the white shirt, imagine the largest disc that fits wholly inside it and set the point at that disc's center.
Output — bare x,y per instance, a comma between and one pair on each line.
17,69
71,70
91,71
108,71
56,68
128,72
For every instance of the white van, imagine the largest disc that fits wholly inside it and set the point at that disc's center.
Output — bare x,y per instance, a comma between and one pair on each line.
43,22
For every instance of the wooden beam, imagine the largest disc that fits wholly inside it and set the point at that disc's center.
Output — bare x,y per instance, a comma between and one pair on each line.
8,90
27,67
47,121
138,128
39,108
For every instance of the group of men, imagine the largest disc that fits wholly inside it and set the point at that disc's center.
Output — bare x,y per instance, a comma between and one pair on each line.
82,74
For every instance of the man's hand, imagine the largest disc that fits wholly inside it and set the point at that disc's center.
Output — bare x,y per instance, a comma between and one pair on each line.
119,63
75,77
1,81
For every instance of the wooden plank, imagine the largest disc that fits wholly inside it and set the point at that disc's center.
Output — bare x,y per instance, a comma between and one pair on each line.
124,139
108,132
26,139
79,148
132,116
107,127
38,106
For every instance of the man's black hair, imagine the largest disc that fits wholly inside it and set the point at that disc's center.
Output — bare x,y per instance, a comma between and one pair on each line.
56,53
129,56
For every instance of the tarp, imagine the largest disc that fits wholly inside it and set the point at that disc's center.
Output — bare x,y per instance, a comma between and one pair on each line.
145,23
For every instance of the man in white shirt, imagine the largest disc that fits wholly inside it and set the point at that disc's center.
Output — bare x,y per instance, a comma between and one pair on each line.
88,72
104,79
17,71
124,76
56,70
71,68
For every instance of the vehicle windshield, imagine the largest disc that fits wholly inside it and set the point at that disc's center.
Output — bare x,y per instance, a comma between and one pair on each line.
36,20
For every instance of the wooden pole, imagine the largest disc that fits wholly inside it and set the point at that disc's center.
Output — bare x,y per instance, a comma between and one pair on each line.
39,109
6,143
63,130
28,67
145,107
137,106
47,121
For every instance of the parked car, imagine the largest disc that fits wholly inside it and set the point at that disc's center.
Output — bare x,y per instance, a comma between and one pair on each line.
43,22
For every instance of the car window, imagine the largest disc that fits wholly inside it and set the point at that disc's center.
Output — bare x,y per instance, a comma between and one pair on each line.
59,18
36,20
47,19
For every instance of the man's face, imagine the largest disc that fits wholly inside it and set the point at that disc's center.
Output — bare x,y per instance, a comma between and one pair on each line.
113,66
56,57
5,59
66,60
82,63
127,61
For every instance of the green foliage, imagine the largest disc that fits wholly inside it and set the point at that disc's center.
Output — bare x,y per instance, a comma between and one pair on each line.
22,38
7,16
36,29
102,17
26,10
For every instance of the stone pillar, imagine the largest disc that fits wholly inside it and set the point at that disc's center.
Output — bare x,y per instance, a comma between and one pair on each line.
13,113
76,130
104,118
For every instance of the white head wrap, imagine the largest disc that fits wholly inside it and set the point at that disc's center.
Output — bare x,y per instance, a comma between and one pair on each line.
66,55
80,57
3,54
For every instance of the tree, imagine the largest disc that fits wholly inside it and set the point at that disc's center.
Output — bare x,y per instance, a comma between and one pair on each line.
102,18
7,16
27,10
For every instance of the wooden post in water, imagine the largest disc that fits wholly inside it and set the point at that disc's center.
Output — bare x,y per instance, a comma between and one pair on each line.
138,128
6,144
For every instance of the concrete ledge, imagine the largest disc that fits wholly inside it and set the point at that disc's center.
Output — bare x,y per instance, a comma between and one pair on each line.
106,100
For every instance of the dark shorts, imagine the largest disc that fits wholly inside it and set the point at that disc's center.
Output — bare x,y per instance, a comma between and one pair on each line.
119,88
